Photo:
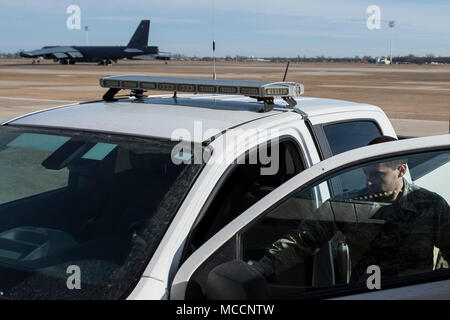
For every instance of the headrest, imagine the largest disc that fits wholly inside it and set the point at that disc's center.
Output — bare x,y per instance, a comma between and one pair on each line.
286,167
154,165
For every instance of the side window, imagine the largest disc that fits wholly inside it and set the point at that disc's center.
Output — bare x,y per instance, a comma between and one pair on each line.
245,186
345,136
305,245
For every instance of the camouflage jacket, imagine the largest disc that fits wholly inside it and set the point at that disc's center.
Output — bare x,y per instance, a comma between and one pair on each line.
399,237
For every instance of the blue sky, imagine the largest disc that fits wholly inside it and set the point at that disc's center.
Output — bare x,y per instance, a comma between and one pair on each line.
259,28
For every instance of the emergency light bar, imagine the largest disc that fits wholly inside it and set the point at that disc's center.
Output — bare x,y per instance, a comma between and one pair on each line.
263,91
235,87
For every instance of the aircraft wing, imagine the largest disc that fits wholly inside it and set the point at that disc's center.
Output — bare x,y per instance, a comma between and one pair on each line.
58,52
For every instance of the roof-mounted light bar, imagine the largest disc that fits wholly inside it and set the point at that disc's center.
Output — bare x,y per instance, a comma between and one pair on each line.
263,91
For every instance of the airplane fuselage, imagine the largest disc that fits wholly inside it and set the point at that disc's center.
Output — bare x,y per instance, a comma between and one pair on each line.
92,53
137,46
96,53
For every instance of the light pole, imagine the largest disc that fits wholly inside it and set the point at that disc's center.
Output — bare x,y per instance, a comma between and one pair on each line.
391,26
86,28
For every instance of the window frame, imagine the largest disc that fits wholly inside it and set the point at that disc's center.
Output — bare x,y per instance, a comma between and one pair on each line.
224,179
322,138
343,290
323,141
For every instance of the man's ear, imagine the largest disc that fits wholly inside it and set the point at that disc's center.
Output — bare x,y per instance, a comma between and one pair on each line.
402,170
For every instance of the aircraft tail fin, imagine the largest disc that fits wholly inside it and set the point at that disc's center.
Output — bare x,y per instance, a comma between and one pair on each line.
140,36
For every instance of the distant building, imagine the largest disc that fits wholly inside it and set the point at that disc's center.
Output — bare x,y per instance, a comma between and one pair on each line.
383,60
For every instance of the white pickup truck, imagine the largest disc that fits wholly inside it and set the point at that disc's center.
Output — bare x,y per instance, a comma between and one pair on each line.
142,197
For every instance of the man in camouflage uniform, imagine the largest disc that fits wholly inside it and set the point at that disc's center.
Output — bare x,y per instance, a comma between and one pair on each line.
397,230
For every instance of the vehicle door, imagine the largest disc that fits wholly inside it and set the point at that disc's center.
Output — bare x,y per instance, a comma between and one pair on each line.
391,234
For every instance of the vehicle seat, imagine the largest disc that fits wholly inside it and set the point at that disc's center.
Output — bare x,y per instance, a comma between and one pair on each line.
109,190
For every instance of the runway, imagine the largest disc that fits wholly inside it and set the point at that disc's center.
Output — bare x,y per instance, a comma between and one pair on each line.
415,98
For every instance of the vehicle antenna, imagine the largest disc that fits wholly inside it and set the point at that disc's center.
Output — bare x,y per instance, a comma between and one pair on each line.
285,73
214,41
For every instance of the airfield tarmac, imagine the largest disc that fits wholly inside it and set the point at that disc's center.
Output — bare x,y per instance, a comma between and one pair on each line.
415,98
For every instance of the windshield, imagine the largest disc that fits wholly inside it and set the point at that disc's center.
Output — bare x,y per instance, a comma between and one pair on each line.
81,213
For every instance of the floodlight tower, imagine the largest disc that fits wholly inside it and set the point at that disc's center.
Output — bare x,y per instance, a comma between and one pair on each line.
391,26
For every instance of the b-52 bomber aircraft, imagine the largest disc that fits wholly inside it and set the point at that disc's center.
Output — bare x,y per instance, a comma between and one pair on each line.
137,46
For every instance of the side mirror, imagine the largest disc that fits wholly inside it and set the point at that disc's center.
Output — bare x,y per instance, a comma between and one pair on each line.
236,280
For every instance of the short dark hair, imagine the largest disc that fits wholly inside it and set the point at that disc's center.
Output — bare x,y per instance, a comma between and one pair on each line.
381,139
394,164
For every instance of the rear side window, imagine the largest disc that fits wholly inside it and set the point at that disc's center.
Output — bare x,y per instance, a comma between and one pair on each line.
346,136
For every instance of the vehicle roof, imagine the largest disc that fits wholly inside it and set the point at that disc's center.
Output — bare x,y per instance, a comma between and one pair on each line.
199,116
313,107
